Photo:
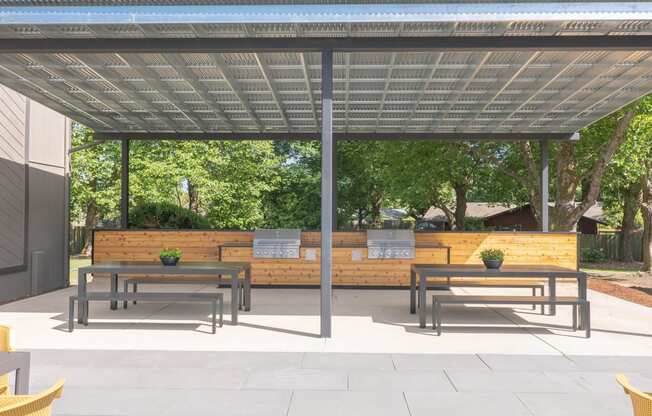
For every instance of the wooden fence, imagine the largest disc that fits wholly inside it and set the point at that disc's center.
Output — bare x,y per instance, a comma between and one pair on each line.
77,239
351,266
610,244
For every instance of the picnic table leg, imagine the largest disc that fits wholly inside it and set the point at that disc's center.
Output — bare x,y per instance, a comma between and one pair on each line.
247,289
581,293
235,298
422,300
81,293
552,289
413,292
22,378
114,290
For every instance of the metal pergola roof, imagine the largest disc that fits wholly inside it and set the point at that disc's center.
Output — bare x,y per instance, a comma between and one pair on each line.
423,69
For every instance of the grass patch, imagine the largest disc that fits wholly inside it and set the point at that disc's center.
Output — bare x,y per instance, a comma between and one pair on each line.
75,263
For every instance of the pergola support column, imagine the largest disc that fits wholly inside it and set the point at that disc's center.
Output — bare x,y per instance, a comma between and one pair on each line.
327,200
124,185
545,219
334,185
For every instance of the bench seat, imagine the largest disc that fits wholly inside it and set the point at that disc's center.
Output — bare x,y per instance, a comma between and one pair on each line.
181,280
215,299
507,283
438,300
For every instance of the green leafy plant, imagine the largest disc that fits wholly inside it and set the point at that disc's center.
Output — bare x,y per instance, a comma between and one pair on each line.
170,252
492,254
593,255
165,215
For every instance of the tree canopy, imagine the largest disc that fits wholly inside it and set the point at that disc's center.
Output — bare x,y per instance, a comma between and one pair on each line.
251,184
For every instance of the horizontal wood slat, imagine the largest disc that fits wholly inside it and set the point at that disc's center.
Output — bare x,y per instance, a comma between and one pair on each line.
520,248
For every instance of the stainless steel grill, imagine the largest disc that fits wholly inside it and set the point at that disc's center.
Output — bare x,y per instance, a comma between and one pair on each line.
391,244
277,244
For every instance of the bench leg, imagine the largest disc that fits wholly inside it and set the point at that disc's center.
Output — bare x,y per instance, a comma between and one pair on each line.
114,291
135,291
438,307
126,291
543,293
574,317
587,319
534,293
241,300
71,314
221,312
434,315
214,310
552,289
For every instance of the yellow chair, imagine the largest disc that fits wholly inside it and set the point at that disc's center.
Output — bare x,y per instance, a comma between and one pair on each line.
642,402
5,346
31,405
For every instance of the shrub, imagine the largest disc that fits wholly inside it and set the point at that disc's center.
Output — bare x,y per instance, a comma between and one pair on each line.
593,255
170,252
492,254
165,215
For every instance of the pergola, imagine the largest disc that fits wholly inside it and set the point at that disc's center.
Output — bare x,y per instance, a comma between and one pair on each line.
286,70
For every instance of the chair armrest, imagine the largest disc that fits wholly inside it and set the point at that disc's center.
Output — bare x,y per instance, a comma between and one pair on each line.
3,389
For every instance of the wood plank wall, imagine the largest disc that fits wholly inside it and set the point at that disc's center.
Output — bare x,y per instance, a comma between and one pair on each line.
520,248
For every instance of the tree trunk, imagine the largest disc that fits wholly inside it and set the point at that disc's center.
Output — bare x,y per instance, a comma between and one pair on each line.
376,204
460,206
193,197
92,218
646,211
566,212
360,218
630,208
91,221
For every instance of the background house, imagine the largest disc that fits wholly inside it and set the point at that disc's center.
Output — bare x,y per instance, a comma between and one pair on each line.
508,218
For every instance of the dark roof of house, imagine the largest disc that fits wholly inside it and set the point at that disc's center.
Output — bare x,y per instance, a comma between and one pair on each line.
490,210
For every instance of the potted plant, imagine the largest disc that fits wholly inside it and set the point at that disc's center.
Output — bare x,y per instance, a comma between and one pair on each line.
492,258
170,256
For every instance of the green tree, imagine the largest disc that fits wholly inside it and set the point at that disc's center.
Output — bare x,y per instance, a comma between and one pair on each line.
444,175
225,181
94,182
295,201
577,168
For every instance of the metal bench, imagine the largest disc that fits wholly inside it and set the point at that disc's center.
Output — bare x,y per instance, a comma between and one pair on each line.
533,284
585,309
184,280
215,299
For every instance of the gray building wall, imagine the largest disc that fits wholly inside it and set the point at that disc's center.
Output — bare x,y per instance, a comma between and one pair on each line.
33,195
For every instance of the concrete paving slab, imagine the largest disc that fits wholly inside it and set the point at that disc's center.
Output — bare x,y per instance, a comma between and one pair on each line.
465,404
114,401
613,363
520,362
576,404
602,381
229,403
509,381
348,361
392,381
438,362
297,379
332,403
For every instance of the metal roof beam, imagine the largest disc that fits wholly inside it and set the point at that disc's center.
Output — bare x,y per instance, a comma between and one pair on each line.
193,81
316,44
268,80
316,136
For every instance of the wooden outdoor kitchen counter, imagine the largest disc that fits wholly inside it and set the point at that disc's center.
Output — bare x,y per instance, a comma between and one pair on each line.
350,263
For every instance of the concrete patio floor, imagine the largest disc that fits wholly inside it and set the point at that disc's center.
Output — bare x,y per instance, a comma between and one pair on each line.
161,359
